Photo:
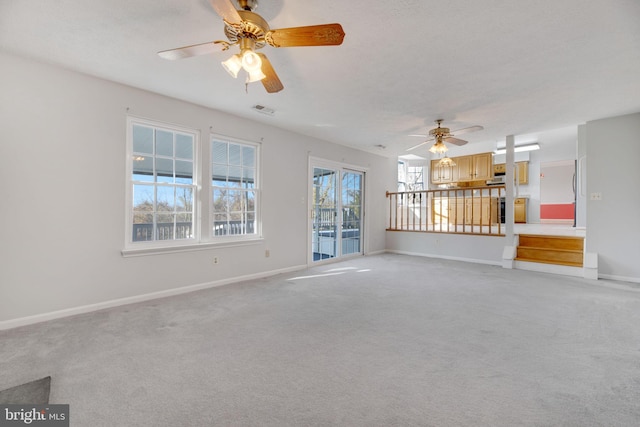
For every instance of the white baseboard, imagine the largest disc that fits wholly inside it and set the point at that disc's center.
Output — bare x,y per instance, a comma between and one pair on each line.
376,252
38,318
619,278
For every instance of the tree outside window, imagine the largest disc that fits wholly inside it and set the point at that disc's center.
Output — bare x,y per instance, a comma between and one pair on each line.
234,187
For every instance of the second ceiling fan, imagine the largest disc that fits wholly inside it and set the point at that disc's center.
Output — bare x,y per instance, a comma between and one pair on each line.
248,30
441,134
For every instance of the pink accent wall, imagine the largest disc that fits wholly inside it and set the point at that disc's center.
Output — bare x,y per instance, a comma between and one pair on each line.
556,211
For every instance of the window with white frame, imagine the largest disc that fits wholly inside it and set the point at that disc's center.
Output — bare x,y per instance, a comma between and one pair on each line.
169,195
410,177
235,187
163,182
415,178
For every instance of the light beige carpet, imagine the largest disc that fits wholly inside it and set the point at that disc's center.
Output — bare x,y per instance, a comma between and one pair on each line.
386,340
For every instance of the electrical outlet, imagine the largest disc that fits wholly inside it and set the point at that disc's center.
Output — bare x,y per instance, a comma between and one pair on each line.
267,253
595,196
214,261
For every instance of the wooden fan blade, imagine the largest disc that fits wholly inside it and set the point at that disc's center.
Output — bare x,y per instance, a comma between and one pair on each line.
226,10
193,50
467,130
454,141
271,83
314,35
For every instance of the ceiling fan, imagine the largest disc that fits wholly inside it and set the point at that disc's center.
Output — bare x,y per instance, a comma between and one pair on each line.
440,134
251,32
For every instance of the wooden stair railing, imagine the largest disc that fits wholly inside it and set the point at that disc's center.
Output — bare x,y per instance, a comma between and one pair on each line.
560,250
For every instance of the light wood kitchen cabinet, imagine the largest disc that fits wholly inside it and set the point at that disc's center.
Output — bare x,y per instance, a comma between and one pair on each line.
483,166
520,210
478,167
448,210
441,174
464,168
457,211
466,211
482,211
522,171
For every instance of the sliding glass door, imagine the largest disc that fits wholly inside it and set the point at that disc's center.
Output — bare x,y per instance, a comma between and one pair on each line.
324,235
336,212
351,206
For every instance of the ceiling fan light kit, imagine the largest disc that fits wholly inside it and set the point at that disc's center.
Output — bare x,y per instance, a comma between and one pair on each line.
438,147
251,32
233,65
255,76
251,61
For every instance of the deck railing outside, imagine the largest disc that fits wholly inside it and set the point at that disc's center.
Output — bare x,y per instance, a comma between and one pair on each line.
472,210
184,230
164,231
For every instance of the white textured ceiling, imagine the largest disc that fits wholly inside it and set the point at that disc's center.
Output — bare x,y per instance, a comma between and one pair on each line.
513,67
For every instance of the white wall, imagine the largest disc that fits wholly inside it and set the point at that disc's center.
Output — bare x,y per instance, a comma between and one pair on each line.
613,228
62,162
480,249
556,182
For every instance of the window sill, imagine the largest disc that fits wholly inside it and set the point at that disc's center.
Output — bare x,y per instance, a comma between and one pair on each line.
155,250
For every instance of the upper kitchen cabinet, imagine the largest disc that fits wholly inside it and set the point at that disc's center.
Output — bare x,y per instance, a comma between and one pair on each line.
522,171
478,167
464,168
441,174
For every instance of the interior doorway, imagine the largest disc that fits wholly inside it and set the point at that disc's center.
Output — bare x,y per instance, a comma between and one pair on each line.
558,192
336,199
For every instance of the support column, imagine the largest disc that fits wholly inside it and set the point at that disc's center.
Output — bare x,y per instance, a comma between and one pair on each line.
509,253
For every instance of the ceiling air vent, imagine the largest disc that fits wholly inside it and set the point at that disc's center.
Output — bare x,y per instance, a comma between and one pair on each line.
264,110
